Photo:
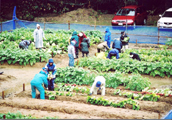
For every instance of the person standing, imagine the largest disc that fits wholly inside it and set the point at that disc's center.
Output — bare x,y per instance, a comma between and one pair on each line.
71,53
124,39
99,83
134,56
75,38
113,52
24,44
81,36
117,44
36,83
108,37
51,70
84,47
38,37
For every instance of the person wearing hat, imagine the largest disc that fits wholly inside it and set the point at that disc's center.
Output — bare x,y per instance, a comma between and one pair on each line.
38,37
113,52
124,39
102,47
84,47
71,53
51,71
24,44
117,44
36,83
108,37
99,83
81,36
134,56
76,39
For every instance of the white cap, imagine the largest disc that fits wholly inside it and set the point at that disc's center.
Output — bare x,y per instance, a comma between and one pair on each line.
80,34
37,25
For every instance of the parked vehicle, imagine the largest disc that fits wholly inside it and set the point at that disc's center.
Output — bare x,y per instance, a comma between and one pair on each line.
132,15
166,19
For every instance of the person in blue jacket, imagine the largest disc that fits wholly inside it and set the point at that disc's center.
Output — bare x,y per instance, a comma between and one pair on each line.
51,69
117,44
108,37
113,52
36,83
24,44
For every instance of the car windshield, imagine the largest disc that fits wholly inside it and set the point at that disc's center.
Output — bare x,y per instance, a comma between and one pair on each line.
126,12
167,14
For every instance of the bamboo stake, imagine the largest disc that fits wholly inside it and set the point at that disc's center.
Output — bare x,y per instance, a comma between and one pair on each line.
23,87
3,95
68,25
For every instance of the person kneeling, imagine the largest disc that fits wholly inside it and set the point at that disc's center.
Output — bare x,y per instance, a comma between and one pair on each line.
134,56
99,83
113,52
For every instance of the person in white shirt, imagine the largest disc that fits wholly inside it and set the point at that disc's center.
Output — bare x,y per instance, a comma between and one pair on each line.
99,83
38,37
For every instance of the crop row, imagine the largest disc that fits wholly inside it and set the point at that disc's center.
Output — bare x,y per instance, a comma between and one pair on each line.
148,58
18,115
80,76
23,57
128,66
150,52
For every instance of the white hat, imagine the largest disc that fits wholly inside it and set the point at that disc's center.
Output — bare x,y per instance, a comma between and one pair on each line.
80,34
37,25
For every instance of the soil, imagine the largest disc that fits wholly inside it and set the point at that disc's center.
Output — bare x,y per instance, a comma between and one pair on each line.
11,82
86,16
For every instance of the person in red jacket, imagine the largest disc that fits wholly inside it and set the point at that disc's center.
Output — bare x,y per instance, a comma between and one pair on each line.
81,36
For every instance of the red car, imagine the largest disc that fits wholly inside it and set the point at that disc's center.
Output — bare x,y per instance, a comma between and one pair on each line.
132,15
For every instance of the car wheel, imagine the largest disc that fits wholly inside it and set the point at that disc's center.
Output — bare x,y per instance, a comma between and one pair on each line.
144,22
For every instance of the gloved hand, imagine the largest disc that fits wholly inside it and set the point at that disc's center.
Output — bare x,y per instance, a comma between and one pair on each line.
47,88
90,94
99,88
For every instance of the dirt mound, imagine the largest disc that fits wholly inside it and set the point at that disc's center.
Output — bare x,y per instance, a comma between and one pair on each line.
5,77
73,108
81,15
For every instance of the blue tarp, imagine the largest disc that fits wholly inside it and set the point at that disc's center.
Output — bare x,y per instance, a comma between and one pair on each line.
168,115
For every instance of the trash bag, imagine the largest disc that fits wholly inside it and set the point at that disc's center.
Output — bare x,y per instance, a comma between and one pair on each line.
101,55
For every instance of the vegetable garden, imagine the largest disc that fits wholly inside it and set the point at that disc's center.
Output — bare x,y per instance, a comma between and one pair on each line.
129,94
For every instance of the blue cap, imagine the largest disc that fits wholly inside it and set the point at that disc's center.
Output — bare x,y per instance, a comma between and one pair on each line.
98,84
51,60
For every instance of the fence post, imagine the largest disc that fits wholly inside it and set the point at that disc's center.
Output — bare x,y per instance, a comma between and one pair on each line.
23,87
158,35
95,25
52,54
68,25
44,24
40,58
136,42
1,26
3,95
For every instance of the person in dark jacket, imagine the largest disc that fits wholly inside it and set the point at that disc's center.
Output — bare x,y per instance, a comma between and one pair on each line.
36,83
113,52
124,39
24,44
84,47
134,56
108,37
51,70
76,38
117,44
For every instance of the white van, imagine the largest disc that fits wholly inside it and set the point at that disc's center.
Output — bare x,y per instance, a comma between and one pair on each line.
166,19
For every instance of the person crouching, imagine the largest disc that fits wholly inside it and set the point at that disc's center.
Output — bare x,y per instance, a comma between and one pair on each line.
99,83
